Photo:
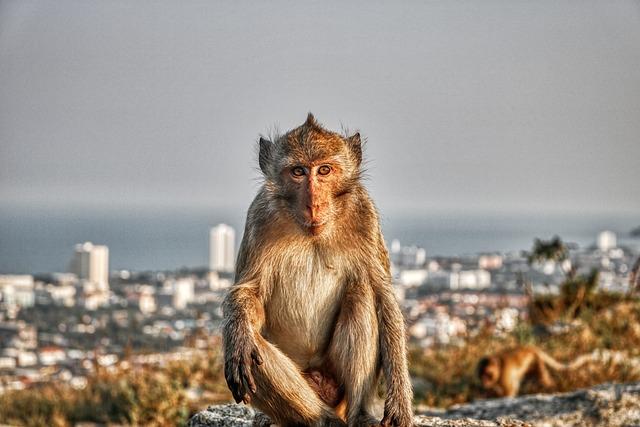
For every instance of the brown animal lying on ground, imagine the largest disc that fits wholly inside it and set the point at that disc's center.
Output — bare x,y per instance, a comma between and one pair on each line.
503,373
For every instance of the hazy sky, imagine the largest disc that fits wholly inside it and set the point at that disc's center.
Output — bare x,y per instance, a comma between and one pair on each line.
478,105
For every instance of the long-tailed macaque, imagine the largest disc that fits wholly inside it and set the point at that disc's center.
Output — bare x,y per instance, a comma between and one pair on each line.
312,319
503,373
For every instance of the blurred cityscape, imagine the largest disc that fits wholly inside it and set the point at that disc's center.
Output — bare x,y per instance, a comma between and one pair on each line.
63,326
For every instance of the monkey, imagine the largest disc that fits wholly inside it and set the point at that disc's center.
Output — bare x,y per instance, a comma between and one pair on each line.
503,373
311,322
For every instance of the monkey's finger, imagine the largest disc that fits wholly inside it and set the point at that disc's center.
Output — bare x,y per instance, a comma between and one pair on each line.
235,391
244,384
229,378
248,378
232,377
255,355
237,396
237,374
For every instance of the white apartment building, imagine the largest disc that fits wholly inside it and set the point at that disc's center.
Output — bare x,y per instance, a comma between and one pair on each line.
91,264
222,248
17,290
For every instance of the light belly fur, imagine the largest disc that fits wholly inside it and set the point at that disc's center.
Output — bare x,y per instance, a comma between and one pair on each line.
304,302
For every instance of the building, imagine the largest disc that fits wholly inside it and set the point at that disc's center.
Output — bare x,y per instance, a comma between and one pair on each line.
91,264
219,281
490,261
462,279
17,290
414,277
18,335
222,248
177,293
143,298
59,295
607,240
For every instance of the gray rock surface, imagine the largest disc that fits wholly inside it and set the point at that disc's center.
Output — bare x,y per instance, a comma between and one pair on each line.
605,405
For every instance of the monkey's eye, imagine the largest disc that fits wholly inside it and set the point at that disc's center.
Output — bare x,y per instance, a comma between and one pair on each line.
324,170
297,171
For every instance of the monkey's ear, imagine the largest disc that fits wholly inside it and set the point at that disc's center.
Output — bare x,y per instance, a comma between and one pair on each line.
355,145
264,156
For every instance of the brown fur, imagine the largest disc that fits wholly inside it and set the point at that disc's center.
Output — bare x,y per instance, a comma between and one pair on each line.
312,320
503,373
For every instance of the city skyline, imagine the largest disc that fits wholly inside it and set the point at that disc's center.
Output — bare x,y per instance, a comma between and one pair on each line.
31,244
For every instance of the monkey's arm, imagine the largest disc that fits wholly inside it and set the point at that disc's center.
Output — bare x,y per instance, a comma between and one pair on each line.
397,408
243,317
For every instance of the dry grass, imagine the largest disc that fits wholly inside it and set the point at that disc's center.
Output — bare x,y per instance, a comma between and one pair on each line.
446,375
149,397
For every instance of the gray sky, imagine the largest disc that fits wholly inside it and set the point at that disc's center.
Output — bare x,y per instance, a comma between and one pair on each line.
476,105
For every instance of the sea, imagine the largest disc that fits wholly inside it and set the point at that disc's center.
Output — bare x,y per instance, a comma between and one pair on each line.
42,240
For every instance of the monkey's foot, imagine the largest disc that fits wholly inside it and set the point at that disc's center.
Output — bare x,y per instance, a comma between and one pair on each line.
325,386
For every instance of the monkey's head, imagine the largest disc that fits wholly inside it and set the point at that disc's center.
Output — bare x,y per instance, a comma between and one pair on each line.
310,171
489,371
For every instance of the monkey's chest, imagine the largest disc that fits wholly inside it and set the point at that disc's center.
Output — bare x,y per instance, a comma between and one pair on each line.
302,309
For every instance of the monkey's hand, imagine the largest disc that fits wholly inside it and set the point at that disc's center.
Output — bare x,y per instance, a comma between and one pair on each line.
238,366
397,413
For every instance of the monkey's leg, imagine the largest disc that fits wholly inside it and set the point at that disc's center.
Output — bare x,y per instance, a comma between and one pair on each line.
284,394
354,354
543,374
510,382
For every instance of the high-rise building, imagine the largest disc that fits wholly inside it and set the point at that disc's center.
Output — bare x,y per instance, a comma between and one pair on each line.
222,248
91,264
607,240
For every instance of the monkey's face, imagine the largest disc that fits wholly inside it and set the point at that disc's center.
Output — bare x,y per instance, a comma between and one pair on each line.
489,372
310,170
312,191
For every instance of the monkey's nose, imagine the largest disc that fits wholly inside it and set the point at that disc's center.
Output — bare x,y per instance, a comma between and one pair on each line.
311,211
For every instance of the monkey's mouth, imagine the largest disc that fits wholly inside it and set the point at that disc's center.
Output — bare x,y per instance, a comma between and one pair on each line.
314,227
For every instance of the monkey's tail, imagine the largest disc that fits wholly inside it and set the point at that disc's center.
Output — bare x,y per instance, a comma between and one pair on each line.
558,366
580,360
604,356
553,363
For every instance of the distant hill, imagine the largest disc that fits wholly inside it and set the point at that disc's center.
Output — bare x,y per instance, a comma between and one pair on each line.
635,232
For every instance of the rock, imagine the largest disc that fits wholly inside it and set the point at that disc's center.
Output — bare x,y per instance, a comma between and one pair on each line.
604,405
230,415
609,404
